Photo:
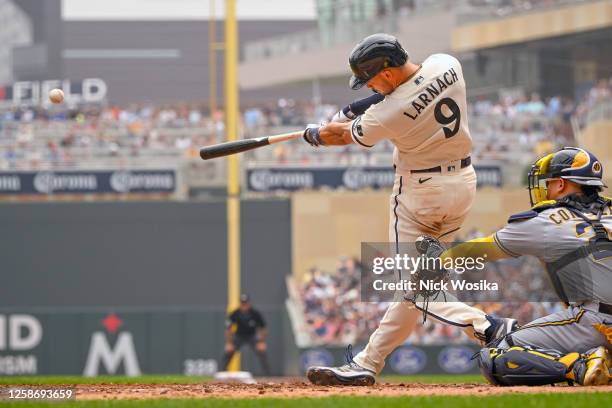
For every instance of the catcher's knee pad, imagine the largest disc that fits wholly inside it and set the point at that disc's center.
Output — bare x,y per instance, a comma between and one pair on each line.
520,366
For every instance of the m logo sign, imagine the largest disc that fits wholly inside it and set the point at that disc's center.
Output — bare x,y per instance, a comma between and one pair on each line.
102,354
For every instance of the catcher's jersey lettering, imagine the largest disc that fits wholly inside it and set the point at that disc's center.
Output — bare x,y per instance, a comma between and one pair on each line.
549,234
431,92
425,118
555,232
563,215
584,227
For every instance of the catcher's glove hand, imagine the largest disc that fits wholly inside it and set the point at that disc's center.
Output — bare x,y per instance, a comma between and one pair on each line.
430,270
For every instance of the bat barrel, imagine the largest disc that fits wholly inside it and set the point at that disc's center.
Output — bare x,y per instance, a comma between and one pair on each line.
228,148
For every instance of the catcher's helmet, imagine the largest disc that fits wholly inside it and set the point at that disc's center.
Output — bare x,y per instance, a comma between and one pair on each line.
373,54
570,163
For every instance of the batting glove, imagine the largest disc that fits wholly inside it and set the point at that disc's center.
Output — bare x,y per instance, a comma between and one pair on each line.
311,136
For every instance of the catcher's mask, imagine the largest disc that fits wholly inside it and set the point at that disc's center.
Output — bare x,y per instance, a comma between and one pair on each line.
570,163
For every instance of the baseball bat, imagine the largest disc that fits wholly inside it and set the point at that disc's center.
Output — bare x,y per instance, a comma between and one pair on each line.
239,146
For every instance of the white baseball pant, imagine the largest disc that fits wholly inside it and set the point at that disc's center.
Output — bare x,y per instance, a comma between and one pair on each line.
434,204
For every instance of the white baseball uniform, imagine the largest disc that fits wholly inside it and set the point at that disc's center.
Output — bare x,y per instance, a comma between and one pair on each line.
435,184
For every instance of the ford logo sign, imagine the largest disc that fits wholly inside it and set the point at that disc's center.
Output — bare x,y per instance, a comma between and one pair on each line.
456,360
316,357
408,360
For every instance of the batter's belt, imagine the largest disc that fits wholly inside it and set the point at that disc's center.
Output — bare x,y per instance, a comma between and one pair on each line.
438,169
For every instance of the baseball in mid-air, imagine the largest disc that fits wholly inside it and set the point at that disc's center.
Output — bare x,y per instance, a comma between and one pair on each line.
56,95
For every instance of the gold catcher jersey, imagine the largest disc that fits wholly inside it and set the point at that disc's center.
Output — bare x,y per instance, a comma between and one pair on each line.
425,117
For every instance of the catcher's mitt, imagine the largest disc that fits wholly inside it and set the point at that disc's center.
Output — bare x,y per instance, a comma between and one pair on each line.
431,274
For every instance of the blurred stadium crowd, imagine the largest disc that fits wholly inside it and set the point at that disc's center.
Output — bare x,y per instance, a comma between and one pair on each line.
334,313
332,306
62,137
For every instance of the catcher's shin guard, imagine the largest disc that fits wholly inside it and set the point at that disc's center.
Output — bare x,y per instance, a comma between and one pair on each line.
523,366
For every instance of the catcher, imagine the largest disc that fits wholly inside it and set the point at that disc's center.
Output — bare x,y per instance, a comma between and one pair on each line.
568,229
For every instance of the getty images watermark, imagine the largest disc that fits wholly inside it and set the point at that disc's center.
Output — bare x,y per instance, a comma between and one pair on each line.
388,269
409,265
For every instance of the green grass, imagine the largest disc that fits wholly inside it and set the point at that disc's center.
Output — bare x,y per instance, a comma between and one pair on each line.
576,400
180,379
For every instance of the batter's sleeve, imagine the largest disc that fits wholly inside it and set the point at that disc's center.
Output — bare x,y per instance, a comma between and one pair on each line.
366,130
359,107
527,237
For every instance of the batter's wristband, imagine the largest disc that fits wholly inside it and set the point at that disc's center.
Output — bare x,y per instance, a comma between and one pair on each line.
341,116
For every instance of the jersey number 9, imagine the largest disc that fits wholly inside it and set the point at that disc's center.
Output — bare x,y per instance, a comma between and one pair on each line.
455,116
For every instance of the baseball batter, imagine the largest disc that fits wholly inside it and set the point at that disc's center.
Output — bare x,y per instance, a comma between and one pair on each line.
421,109
569,230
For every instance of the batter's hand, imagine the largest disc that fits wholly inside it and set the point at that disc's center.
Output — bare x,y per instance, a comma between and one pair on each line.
229,347
311,135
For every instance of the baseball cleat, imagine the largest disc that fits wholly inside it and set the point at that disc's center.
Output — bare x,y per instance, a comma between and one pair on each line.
349,374
595,368
500,328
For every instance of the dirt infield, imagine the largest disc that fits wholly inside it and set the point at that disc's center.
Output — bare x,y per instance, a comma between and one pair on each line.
296,388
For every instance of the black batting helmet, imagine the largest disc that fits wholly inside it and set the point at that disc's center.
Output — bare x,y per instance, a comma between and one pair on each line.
373,54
